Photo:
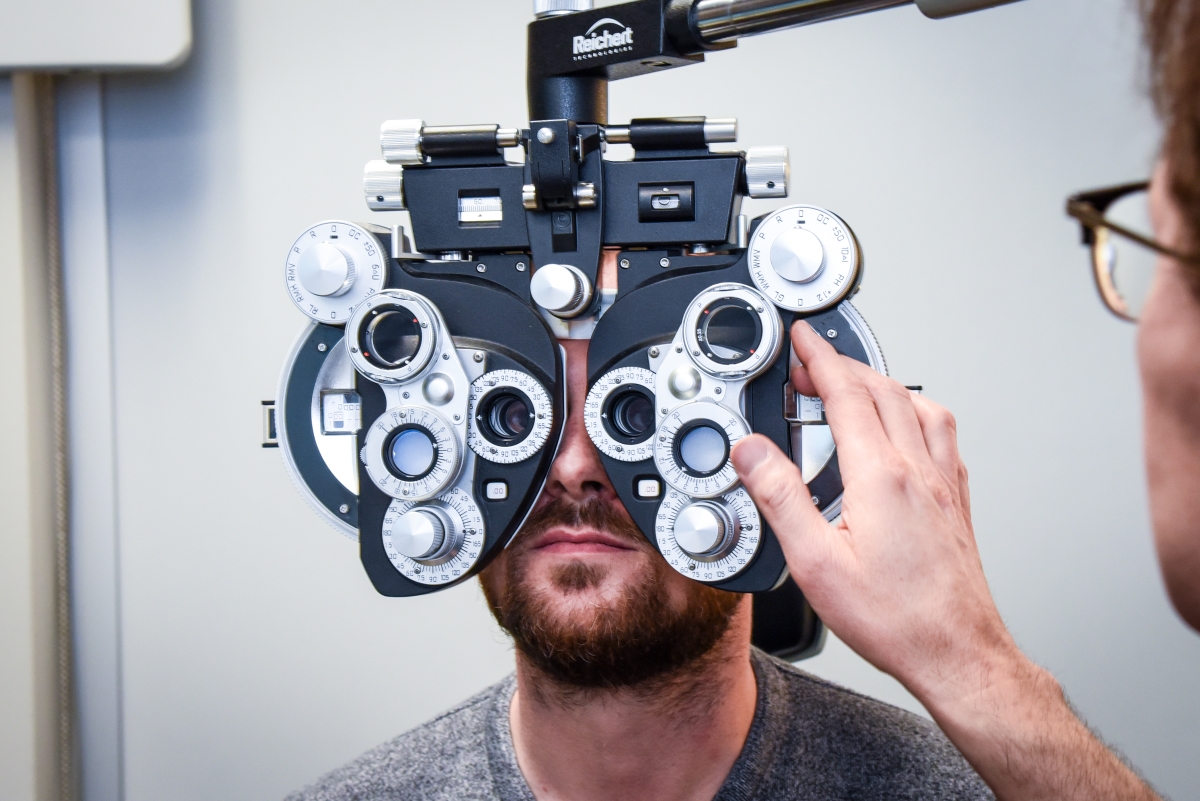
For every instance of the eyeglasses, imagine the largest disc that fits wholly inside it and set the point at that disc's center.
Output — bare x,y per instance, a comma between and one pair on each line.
1116,226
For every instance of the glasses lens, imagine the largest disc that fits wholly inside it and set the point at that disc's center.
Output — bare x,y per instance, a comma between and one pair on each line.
1125,268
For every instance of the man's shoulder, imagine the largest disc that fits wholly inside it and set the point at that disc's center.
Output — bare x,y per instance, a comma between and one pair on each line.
860,747
447,757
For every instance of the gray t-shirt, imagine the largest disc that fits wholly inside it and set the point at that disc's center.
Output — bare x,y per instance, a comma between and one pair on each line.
810,740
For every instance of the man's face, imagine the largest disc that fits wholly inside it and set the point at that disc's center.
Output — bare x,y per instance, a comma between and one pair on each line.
583,594
1169,357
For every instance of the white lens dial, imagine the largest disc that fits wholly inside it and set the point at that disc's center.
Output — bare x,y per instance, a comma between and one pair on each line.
510,416
450,553
412,453
725,534
805,259
619,414
333,267
691,448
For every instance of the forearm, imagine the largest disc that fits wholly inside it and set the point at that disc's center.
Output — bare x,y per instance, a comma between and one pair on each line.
1013,724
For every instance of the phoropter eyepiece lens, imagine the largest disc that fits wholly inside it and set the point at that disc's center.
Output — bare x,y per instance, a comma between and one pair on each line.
391,337
505,417
630,415
411,453
730,331
702,448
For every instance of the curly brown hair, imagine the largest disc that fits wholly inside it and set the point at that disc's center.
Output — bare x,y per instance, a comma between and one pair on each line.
1172,30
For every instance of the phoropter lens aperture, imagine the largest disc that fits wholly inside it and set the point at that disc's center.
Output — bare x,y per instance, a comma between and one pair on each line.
630,414
391,337
411,453
506,417
730,331
702,448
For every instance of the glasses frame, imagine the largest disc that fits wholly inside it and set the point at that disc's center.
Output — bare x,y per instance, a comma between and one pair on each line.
1089,208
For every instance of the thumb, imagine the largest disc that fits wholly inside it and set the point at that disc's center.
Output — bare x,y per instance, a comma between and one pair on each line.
778,490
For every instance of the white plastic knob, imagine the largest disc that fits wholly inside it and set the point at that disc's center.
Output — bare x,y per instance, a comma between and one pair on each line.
553,8
798,255
767,171
326,270
561,289
419,534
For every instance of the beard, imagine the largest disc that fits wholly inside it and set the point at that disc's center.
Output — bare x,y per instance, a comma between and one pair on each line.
637,640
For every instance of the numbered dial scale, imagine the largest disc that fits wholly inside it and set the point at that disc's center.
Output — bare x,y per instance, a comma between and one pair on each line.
412,453
805,259
619,414
511,416
434,543
331,268
692,446
708,540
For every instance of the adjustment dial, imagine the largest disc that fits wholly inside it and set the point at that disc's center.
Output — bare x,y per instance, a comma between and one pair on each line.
709,541
805,259
691,448
412,453
436,542
331,269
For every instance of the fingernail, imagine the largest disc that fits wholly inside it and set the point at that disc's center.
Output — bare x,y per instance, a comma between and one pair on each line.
749,454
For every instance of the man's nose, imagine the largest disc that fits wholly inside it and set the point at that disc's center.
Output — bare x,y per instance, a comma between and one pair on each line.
577,473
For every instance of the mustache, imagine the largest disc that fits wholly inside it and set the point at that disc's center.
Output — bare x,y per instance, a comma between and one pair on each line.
595,513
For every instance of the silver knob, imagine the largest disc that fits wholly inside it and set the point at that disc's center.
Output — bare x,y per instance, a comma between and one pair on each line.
326,270
561,289
401,141
767,171
798,255
383,186
421,533
706,531
553,8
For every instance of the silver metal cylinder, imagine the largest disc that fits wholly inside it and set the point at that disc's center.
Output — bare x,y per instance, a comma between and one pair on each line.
725,20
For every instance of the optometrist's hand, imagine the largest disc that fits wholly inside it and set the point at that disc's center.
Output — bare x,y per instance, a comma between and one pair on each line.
899,579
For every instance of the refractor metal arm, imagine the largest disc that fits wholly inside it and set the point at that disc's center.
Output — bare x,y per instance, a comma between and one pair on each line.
717,21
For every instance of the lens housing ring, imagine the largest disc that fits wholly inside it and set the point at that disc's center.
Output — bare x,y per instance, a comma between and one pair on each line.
484,390
677,424
447,461
598,404
768,324
368,313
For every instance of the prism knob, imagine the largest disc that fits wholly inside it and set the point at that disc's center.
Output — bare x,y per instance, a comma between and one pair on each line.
706,531
561,289
383,186
400,141
767,171
421,533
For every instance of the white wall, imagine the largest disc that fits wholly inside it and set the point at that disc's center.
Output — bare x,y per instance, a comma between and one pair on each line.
255,653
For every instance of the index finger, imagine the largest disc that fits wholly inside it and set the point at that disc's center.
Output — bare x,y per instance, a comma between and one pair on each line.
849,405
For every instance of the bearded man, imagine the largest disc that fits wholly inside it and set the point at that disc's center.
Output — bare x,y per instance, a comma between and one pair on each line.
633,682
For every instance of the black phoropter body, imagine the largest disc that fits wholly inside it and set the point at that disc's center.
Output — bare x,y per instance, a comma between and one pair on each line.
422,409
